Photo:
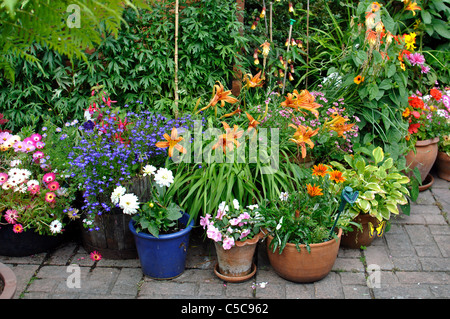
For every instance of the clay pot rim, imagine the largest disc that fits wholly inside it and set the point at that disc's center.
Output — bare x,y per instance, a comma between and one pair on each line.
251,241
236,279
10,282
427,142
318,245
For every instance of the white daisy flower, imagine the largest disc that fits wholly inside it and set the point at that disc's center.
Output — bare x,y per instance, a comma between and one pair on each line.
15,163
55,226
149,170
32,182
284,196
129,203
236,203
164,177
117,193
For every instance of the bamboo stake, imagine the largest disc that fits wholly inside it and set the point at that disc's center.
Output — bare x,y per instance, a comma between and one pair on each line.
176,58
271,5
307,45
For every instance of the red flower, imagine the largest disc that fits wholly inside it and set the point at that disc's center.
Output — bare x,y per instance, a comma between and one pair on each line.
413,128
436,94
415,114
415,102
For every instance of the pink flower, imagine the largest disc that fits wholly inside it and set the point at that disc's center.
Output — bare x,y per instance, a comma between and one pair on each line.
11,216
29,141
235,221
424,69
220,213
50,197
204,221
19,146
228,243
416,59
213,233
40,145
36,137
18,228
38,155
34,189
3,177
49,177
53,186
244,233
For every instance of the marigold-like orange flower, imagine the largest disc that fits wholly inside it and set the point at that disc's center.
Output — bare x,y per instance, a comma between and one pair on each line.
302,136
320,170
436,94
220,95
406,112
172,142
314,190
375,6
337,176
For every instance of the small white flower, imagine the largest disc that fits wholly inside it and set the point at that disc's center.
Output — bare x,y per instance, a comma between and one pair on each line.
55,226
236,203
252,207
117,193
129,203
223,207
149,170
279,223
284,196
32,182
15,163
164,177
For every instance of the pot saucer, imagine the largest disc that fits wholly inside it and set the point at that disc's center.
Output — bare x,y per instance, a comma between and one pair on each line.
427,182
235,279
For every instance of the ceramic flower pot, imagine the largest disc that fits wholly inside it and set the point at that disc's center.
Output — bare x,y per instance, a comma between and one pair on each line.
236,264
424,157
443,166
8,282
357,238
303,266
26,243
114,239
163,257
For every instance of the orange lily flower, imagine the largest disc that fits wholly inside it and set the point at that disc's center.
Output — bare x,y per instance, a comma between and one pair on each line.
172,142
237,111
302,136
338,125
229,138
253,123
412,7
253,81
220,95
303,100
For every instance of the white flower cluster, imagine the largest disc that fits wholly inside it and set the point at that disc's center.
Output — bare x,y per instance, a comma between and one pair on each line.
163,177
128,202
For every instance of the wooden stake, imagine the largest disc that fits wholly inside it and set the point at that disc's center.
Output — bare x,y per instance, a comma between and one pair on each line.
271,5
176,58
307,45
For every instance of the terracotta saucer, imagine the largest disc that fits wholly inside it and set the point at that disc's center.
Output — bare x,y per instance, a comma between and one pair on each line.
427,182
235,279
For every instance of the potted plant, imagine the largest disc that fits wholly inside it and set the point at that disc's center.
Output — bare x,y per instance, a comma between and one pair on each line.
382,189
160,229
303,231
35,196
443,158
8,282
113,148
235,231
424,132
442,104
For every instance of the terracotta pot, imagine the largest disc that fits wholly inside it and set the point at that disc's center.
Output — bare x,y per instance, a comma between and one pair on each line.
236,264
357,238
9,280
443,165
304,266
424,158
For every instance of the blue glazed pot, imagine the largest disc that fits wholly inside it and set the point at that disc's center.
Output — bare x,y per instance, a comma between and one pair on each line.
163,257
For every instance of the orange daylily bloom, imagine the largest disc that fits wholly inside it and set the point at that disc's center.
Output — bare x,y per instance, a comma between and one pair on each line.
412,6
220,95
237,111
302,136
320,170
253,123
229,138
253,81
303,100
172,142
338,125
314,190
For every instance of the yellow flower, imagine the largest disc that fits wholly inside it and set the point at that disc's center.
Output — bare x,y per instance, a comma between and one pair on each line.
406,112
402,66
358,79
410,40
266,48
